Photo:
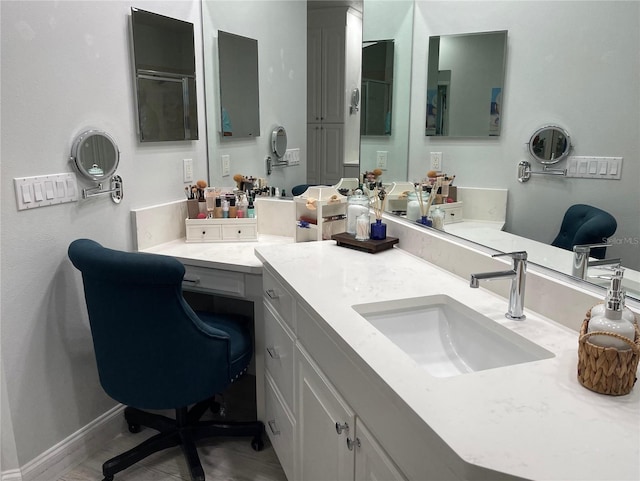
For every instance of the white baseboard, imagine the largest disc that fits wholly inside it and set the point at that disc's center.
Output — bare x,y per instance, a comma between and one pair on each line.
11,475
71,451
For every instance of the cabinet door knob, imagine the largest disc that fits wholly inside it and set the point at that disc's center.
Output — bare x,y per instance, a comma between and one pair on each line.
272,294
341,427
351,443
273,427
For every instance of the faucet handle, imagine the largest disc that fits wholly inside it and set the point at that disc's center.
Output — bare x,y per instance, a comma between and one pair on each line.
586,248
518,255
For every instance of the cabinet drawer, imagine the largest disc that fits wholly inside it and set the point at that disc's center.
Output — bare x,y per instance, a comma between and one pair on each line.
239,232
214,280
280,428
202,233
453,215
279,346
280,298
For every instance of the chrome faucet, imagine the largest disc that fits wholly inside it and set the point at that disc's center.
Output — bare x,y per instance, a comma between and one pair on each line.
581,262
518,278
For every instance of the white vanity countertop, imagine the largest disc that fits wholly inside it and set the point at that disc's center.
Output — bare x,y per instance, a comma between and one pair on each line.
532,420
231,256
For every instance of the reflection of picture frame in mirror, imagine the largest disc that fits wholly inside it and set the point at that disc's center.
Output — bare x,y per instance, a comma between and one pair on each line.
239,86
466,74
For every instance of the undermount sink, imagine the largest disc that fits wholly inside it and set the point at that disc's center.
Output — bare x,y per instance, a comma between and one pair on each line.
448,338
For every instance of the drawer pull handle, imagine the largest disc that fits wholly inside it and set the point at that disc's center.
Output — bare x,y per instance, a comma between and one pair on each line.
351,443
273,353
272,294
273,427
342,427
194,280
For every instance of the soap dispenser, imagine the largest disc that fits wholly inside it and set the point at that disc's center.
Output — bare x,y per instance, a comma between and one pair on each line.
616,280
611,320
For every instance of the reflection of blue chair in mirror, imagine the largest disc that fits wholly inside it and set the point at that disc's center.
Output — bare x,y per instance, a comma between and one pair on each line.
300,189
154,352
584,224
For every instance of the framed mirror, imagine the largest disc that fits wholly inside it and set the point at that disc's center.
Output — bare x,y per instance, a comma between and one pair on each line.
239,89
165,77
549,144
279,142
95,155
377,87
465,81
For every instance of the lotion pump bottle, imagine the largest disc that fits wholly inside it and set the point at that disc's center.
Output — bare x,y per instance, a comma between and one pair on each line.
627,314
612,319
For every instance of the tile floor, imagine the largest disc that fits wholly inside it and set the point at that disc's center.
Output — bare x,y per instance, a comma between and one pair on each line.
229,459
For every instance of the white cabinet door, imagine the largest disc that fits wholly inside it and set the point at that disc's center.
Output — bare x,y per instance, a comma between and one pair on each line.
314,154
372,463
333,72
332,153
322,451
314,74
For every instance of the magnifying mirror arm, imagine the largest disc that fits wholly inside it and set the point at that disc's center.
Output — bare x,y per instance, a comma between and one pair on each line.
525,172
116,190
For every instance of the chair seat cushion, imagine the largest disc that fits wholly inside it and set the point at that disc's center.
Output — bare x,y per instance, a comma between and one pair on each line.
241,345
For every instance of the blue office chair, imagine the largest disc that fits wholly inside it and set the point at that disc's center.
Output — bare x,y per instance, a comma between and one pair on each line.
584,224
154,352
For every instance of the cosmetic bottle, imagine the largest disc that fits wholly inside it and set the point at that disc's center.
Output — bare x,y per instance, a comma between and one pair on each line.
242,206
251,212
225,209
233,209
217,211
612,320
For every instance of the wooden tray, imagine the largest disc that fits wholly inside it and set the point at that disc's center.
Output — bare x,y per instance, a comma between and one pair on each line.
372,246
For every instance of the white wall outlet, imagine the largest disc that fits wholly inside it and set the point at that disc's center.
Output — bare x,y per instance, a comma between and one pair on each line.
226,165
187,170
381,159
436,161
293,156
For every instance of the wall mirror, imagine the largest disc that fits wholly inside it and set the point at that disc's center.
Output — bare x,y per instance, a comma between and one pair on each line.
549,144
95,155
279,142
465,80
377,87
239,90
165,77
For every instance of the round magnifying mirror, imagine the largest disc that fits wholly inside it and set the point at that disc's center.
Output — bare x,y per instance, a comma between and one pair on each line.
95,154
279,142
549,144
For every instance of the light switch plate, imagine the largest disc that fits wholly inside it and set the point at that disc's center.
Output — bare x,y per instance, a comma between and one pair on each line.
381,159
43,190
226,165
187,170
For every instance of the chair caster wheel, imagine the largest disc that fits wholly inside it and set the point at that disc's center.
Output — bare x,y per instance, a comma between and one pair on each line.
133,428
257,443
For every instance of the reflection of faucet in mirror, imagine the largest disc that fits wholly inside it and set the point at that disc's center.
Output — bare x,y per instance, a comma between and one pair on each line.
581,261
518,277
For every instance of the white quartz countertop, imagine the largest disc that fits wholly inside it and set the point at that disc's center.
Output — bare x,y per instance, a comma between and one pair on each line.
231,256
531,420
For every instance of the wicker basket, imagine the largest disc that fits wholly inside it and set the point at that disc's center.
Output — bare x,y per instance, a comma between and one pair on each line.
607,370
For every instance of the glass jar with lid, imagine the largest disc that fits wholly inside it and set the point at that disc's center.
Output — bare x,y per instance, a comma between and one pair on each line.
357,204
414,212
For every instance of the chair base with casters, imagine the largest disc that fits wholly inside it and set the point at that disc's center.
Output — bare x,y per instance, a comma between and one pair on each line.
184,431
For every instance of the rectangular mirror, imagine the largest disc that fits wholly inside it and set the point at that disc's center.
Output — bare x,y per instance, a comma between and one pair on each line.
239,90
377,87
165,77
465,79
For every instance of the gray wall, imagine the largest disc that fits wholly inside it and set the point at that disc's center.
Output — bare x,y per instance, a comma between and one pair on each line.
66,67
572,63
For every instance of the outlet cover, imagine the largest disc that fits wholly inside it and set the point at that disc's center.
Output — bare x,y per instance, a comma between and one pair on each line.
381,159
436,161
226,165
187,170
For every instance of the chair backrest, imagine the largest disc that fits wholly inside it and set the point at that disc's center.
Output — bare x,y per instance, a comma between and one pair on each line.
152,350
585,224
